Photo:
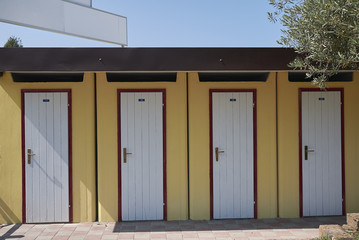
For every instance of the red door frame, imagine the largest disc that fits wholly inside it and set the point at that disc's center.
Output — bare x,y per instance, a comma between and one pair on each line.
69,101
300,90
254,91
119,152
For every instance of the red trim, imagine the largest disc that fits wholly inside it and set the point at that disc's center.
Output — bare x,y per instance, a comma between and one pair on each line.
300,156
46,90
343,152
69,100
119,185
254,91
255,150
300,90
164,126
211,153
23,156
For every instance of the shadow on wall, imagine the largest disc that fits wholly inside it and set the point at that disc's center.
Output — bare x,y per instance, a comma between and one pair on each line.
12,92
6,213
83,177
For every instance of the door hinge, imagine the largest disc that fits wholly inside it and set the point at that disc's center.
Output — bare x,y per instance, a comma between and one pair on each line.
69,206
254,203
253,105
164,204
68,105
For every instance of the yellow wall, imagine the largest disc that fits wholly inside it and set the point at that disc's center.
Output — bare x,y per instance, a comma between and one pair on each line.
82,147
288,143
198,95
176,145
199,144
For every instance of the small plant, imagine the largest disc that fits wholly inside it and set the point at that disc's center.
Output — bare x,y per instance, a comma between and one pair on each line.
13,42
355,235
323,238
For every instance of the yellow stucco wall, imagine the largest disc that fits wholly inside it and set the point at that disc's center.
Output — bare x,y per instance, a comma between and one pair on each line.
176,145
199,144
82,147
288,143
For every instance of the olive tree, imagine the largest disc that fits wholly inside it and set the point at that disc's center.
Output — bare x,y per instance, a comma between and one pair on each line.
324,33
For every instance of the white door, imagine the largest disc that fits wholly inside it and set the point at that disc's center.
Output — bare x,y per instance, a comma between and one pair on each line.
321,153
46,157
142,192
233,155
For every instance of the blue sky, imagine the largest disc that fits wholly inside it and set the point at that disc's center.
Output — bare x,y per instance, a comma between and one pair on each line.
169,23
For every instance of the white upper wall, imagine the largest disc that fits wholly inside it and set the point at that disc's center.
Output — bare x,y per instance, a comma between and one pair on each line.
87,3
66,17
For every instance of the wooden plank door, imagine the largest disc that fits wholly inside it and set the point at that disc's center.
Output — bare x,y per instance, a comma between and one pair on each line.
321,153
46,156
233,154
142,180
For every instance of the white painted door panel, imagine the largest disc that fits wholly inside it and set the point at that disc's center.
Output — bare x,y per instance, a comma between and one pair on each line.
322,171
47,176
233,173
142,174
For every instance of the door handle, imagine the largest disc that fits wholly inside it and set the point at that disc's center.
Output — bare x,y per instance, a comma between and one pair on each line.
29,155
125,153
306,151
217,152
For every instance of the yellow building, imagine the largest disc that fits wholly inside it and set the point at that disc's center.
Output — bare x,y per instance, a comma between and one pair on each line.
172,134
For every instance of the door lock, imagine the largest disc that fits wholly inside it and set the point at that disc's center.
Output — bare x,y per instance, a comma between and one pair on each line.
306,151
217,152
29,155
125,153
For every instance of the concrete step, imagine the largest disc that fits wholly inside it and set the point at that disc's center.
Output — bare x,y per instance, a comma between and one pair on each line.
335,232
353,221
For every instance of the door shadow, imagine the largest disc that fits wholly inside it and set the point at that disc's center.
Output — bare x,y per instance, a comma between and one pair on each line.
8,234
227,225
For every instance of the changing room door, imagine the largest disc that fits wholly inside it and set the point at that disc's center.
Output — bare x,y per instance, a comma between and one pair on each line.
46,125
233,155
142,155
321,153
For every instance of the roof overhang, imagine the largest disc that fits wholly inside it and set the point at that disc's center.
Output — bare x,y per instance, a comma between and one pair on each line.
145,59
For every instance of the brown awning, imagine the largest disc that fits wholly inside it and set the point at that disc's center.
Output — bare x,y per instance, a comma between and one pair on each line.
145,59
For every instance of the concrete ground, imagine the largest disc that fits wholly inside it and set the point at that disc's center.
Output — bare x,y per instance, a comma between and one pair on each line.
302,228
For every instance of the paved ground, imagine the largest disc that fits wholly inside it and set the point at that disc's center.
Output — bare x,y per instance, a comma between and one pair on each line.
304,228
